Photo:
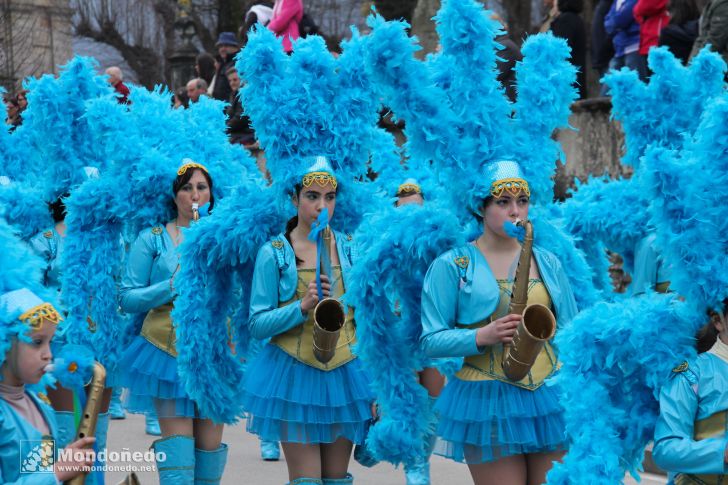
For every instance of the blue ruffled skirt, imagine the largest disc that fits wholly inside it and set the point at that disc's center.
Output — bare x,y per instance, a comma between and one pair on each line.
482,421
150,374
289,401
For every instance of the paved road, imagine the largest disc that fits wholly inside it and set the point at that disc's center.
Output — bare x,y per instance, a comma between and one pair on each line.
245,466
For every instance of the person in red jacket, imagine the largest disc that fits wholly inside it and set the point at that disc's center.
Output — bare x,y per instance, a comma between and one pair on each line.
652,16
287,14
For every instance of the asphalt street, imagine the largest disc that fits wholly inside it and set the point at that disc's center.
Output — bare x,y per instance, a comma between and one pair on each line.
245,466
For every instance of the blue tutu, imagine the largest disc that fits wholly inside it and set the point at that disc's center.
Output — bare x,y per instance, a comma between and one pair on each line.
289,401
482,421
150,374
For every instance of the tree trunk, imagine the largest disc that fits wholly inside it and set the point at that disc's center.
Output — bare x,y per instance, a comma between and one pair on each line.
423,26
396,9
518,17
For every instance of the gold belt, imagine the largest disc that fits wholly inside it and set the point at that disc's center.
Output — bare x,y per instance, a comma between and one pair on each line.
710,427
159,331
298,343
487,367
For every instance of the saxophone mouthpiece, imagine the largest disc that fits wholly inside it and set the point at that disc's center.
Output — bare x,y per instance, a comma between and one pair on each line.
195,211
49,368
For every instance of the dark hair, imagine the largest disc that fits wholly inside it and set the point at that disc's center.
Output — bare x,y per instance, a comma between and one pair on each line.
181,180
181,94
292,223
58,208
205,66
682,11
575,6
230,69
708,334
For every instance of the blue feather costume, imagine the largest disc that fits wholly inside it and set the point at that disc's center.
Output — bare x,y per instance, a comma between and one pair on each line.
459,119
614,389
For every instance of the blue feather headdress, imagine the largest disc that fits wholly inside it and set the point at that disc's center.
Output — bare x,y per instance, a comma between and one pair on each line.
20,275
55,128
145,144
660,113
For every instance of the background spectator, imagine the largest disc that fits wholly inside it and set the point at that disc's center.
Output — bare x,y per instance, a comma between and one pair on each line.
622,26
195,88
507,58
22,99
653,17
602,48
13,111
180,99
116,78
552,11
227,48
238,124
569,25
205,67
286,16
680,34
714,28
257,14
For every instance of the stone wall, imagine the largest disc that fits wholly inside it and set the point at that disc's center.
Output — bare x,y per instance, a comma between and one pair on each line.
594,147
35,38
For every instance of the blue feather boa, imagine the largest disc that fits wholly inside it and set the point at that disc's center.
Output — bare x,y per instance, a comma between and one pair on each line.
216,266
611,382
394,258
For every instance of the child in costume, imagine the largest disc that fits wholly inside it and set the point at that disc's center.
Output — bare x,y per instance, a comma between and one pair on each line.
27,326
192,443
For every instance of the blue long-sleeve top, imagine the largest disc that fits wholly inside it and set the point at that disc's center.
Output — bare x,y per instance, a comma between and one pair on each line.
49,246
649,267
458,293
694,393
150,264
275,279
14,430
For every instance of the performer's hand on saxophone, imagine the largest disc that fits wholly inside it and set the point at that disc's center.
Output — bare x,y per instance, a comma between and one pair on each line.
65,470
501,330
311,299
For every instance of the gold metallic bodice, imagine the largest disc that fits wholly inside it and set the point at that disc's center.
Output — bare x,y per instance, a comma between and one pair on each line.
159,330
487,366
710,427
298,341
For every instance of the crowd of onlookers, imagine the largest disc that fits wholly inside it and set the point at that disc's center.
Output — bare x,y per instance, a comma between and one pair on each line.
622,33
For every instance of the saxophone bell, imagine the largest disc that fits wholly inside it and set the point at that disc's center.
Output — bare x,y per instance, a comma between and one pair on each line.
329,314
538,323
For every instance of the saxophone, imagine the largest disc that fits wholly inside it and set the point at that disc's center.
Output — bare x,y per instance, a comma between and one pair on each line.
329,314
537,324
87,427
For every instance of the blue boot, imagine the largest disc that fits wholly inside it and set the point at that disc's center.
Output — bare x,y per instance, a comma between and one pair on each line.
269,450
116,411
152,425
306,481
177,466
419,473
66,428
348,480
209,465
